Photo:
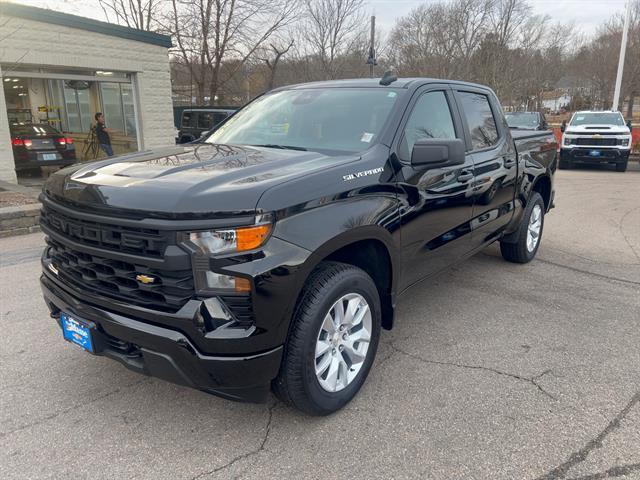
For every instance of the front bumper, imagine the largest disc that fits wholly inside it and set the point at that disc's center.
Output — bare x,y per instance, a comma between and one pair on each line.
584,155
166,353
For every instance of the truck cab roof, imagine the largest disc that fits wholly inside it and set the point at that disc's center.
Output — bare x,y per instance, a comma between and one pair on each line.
400,83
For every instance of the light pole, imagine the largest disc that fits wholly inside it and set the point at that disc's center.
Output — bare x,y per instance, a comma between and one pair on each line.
372,61
623,49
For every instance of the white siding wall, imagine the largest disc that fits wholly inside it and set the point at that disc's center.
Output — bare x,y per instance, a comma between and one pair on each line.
7,172
37,44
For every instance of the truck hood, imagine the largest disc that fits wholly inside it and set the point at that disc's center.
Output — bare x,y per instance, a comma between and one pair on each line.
193,181
611,129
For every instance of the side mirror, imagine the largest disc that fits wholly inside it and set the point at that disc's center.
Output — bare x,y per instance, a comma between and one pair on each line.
544,126
563,127
629,125
437,152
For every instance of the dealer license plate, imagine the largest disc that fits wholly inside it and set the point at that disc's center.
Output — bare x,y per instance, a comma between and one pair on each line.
594,153
76,331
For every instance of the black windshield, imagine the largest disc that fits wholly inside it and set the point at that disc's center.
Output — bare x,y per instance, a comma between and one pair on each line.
597,118
528,120
321,119
33,129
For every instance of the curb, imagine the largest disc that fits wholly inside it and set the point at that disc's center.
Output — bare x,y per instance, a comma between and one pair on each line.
19,220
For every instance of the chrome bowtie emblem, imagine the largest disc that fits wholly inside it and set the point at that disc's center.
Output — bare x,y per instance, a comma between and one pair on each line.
145,278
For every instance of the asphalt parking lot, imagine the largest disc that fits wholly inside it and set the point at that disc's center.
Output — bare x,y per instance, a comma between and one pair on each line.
493,370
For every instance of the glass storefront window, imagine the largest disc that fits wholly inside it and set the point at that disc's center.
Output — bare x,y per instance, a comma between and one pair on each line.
74,104
73,112
56,112
129,109
84,103
112,106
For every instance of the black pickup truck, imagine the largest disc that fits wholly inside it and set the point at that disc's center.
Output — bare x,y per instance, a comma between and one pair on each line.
271,255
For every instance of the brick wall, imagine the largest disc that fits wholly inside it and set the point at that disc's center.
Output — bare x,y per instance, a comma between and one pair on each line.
28,43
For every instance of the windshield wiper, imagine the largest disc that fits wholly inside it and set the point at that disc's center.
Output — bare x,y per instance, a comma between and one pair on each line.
282,147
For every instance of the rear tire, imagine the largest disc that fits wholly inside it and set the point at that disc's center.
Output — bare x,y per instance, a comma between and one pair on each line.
317,325
522,246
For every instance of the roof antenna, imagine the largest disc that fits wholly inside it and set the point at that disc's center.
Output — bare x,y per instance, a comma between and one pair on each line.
388,78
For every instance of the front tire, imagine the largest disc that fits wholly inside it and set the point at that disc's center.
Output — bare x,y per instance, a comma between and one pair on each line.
522,246
332,342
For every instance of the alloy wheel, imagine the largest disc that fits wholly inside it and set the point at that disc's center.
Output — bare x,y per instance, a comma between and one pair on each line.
343,342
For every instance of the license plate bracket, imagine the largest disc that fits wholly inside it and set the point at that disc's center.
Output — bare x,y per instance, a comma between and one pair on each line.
77,331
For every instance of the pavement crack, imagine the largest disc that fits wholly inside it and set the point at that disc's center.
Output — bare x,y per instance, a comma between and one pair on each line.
582,454
621,230
533,380
586,272
51,416
617,471
256,451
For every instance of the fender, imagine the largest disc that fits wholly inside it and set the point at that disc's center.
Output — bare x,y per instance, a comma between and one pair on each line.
532,173
327,229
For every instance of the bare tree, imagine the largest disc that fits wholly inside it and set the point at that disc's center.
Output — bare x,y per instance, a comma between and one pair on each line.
277,51
331,30
212,34
140,14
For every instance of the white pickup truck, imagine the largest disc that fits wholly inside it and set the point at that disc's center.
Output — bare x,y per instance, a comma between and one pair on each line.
596,138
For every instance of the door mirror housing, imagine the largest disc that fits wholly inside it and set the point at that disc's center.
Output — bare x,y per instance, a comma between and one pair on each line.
563,127
437,152
629,125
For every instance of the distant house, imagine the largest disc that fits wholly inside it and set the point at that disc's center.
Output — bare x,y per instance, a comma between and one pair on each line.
555,100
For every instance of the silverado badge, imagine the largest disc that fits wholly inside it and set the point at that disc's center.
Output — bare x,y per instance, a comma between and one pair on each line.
145,278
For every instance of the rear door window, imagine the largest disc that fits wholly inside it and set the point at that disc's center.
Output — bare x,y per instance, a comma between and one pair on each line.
218,117
187,119
480,120
205,120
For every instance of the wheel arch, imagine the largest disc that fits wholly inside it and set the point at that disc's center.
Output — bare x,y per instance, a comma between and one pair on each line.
543,186
369,248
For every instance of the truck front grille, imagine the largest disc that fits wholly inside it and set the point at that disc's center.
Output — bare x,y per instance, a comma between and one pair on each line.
116,279
609,142
136,241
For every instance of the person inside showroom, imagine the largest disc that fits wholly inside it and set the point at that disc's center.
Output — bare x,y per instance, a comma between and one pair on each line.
104,134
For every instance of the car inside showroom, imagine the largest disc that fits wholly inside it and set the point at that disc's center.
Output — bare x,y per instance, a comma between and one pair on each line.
55,85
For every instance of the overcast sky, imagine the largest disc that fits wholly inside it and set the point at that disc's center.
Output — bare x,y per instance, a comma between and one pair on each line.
586,14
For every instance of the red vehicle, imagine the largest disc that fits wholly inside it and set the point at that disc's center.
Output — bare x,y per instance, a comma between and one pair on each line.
40,145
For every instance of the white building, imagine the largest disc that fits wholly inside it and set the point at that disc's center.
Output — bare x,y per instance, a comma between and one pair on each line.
555,100
61,69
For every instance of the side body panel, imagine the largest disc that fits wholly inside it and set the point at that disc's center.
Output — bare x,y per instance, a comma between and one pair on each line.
436,205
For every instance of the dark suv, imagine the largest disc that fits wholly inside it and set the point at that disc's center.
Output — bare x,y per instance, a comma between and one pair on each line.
272,254
195,122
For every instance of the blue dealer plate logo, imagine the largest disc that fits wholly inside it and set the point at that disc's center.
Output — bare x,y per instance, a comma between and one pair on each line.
76,332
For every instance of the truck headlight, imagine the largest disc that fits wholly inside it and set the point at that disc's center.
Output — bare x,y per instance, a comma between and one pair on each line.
624,142
206,244
215,242
567,141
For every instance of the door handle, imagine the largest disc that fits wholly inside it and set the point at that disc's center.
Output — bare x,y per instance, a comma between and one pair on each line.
509,161
465,176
